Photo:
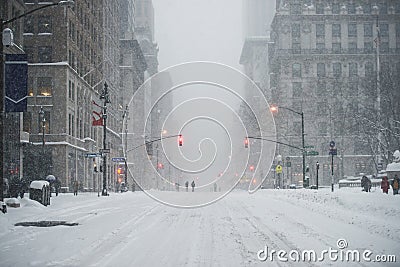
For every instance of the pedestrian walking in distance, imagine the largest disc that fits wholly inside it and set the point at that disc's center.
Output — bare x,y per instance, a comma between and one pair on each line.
193,185
187,186
76,185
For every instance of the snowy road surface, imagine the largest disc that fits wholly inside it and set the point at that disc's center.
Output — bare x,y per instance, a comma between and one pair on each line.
131,229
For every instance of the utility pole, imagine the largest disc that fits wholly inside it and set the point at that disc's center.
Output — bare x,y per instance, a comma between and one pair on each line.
106,98
317,173
378,93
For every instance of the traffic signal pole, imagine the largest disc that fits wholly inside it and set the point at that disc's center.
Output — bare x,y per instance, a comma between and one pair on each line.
105,96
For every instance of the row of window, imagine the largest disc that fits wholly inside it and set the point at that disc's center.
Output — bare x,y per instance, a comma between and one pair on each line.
349,8
352,30
352,47
44,24
336,67
44,53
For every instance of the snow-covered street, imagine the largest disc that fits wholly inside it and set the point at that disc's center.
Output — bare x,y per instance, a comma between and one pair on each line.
131,229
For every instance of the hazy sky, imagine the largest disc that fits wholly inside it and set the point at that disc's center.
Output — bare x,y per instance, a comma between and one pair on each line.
192,30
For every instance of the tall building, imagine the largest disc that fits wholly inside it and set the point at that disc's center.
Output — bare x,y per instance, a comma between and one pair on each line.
14,138
324,57
72,52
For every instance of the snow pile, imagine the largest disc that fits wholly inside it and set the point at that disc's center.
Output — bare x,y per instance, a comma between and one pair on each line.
393,167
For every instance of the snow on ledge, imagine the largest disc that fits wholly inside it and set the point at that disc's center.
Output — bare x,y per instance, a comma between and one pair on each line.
393,167
39,184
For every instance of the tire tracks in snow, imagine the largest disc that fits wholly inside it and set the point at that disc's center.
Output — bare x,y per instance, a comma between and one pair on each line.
99,252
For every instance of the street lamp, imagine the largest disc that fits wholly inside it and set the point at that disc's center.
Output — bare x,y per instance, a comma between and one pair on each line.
104,95
274,109
43,120
3,23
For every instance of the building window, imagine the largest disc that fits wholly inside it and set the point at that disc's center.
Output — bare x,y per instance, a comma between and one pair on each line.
320,47
296,70
336,30
383,8
384,47
352,30
352,47
368,29
384,29
70,124
71,90
44,24
321,70
45,54
295,30
29,24
296,48
336,48
368,47
319,8
27,123
351,8
367,7
369,69
337,70
335,8
295,9
320,30
353,69
44,85
297,89
398,30
30,86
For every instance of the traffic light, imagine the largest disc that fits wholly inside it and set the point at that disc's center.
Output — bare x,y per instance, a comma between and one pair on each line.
180,140
149,148
246,142
160,165
251,167
120,170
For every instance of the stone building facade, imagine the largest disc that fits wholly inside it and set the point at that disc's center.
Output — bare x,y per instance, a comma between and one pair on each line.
324,57
72,52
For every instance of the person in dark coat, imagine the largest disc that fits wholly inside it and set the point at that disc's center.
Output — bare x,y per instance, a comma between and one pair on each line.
364,183
187,185
385,185
193,185
76,186
396,185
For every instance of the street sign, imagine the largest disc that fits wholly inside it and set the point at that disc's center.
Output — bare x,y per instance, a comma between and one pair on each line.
92,155
312,153
333,151
120,159
107,150
288,164
308,146
278,169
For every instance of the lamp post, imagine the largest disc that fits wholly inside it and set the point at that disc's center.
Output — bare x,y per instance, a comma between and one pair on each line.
3,23
104,95
43,126
275,109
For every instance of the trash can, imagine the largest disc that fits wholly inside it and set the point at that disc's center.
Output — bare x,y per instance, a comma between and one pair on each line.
39,191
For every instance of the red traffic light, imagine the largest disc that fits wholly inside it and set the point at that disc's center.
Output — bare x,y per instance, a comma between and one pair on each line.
251,167
180,140
160,165
246,142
